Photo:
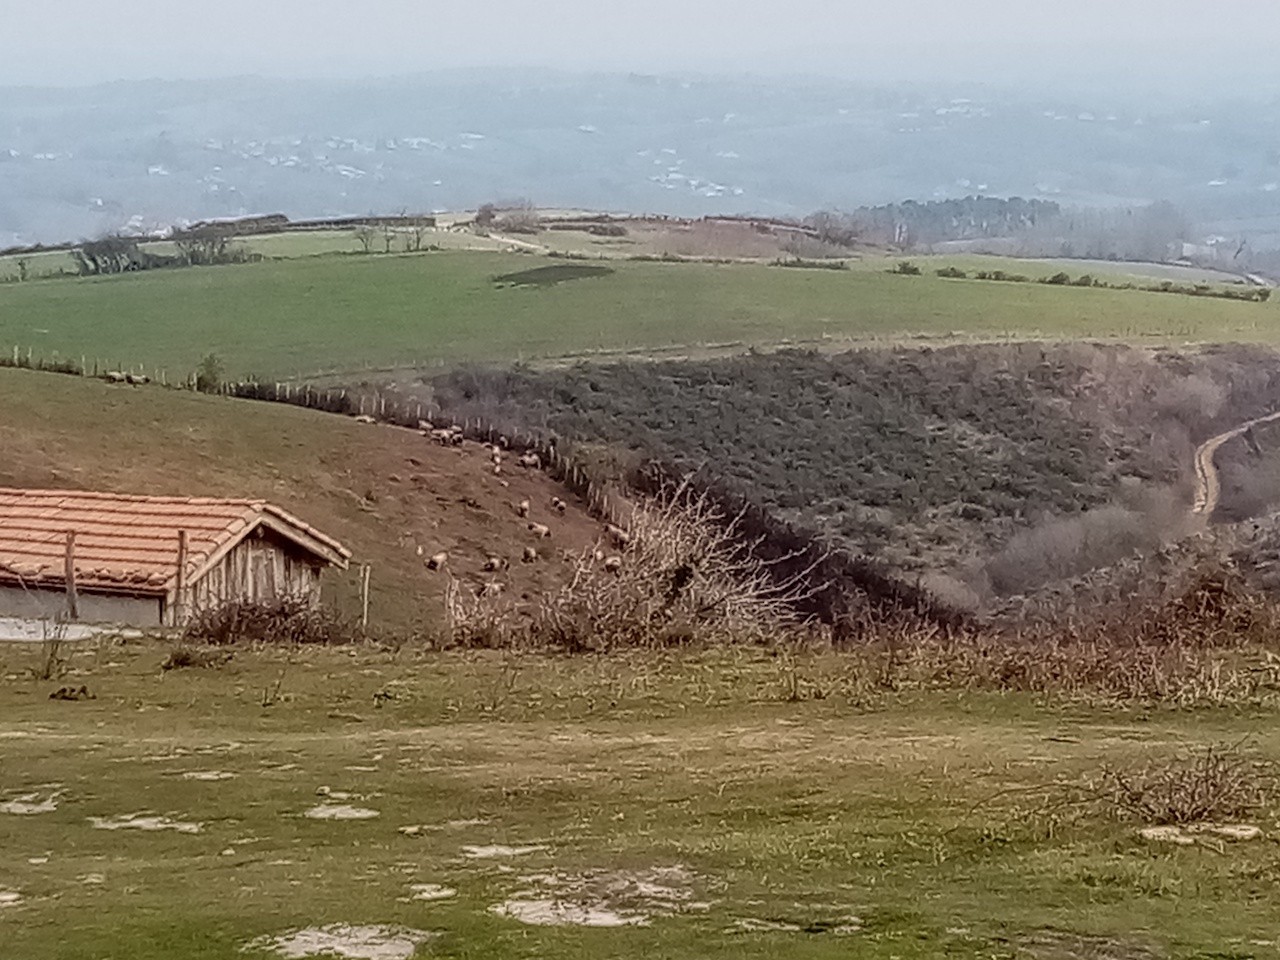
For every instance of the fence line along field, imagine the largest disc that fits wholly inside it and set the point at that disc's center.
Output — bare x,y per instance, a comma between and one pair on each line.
285,317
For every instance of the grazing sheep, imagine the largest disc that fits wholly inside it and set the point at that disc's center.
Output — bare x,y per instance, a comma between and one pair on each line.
442,437
530,460
425,426
497,469
456,438
530,555
504,443
522,508
364,418
438,561
136,378
599,556
619,536
613,564
490,588
494,564
539,530
113,376
558,505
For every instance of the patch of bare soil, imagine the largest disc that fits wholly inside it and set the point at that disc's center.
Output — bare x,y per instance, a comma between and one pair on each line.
340,811
140,821
599,898
345,941
29,804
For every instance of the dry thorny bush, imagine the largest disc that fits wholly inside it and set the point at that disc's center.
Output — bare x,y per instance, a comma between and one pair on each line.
283,620
687,576
1218,783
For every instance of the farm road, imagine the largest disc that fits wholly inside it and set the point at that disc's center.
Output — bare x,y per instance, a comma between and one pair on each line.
1208,483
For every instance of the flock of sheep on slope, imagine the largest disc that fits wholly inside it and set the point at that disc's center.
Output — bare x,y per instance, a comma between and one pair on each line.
452,436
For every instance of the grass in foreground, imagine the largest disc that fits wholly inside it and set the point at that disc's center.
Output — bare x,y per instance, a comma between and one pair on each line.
926,817
293,317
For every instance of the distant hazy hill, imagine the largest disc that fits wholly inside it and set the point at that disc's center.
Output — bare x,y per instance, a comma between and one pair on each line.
80,162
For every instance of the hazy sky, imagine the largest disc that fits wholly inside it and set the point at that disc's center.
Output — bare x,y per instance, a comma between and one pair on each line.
74,42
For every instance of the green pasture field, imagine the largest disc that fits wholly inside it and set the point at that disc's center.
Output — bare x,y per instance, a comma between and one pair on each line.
781,825
1105,270
289,317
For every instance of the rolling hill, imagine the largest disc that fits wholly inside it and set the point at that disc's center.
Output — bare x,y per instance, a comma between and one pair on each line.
385,492
347,314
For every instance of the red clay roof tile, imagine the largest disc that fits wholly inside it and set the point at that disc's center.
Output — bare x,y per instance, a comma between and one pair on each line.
124,540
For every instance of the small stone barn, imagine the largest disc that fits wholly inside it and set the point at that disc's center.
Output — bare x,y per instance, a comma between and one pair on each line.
151,561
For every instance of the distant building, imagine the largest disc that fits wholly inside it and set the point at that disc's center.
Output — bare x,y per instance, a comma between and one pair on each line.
151,561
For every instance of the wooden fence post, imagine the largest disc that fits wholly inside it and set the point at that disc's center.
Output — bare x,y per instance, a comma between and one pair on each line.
69,575
180,583
364,597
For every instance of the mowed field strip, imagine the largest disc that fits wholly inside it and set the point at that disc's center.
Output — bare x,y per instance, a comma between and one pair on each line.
296,317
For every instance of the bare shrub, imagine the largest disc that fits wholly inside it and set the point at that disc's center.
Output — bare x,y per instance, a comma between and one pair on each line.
518,217
685,576
1193,400
805,247
184,656
1217,783
1064,547
53,662
284,620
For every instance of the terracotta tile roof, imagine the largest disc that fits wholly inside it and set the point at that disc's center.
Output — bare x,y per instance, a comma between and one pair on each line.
130,543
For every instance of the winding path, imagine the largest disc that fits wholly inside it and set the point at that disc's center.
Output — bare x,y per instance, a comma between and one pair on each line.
1208,484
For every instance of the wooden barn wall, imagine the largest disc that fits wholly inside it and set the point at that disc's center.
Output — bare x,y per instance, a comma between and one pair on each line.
261,567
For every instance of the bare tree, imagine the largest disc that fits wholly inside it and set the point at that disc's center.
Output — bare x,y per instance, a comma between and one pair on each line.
419,226
366,235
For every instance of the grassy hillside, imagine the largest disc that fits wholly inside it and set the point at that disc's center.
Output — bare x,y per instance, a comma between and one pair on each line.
384,492
282,318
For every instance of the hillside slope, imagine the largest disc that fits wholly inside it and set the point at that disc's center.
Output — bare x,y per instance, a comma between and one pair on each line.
1000,466
384,492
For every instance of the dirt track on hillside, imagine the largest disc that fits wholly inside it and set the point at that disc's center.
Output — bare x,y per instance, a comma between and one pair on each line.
1208,482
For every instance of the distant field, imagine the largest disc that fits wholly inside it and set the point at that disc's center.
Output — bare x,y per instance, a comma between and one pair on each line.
291,317
1111,271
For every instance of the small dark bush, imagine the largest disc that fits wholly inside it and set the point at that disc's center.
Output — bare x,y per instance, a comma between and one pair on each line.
811,264
287,620
1083,281
1060,279
953,273
183,656
906,268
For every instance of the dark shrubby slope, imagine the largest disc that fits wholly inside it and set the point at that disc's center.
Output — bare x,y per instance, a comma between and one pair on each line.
928,459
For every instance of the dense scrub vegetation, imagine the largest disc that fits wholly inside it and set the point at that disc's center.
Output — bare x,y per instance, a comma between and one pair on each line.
1003,467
